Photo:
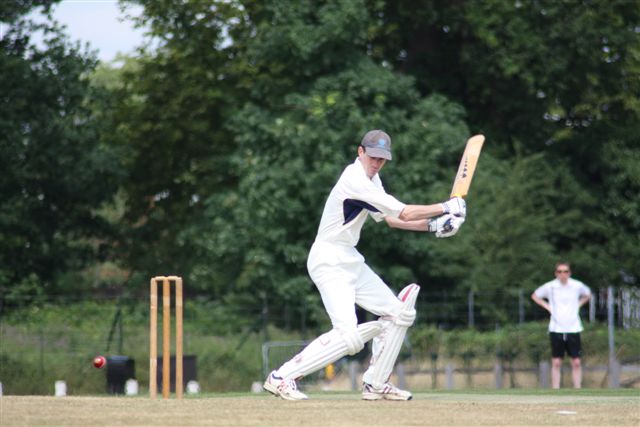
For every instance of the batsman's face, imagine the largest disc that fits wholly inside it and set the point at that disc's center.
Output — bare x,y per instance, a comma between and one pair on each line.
372,165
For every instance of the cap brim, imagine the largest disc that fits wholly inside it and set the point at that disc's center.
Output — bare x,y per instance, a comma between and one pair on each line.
378,152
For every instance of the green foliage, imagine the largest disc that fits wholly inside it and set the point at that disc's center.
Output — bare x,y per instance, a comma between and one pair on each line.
559,78
526,344
55,170
512,238
288,160
210,155
526,70
296,84
50,342
11,11
427,340
169,111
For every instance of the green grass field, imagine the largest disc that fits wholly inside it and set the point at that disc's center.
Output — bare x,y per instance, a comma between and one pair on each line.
468,408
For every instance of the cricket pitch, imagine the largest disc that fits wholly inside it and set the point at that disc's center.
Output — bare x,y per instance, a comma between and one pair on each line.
470,408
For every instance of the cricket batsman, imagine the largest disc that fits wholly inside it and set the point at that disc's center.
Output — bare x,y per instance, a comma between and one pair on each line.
344,279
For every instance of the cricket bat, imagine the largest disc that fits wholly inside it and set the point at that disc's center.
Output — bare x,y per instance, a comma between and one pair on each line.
467,166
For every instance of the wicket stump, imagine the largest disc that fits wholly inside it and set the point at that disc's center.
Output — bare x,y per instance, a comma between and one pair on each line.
166,336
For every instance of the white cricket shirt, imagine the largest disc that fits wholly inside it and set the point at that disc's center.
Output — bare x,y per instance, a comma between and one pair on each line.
351,200
563,299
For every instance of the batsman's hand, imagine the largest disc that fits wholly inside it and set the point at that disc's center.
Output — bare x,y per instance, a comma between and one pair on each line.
455,206
451,227
445,225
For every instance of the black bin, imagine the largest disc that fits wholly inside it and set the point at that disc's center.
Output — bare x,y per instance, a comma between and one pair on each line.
119,370
189,371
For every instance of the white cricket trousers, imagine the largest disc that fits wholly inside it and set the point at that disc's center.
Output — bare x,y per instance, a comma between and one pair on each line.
343,279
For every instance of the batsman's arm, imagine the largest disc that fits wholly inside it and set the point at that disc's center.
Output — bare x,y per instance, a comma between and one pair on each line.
419,225
455,206
421,212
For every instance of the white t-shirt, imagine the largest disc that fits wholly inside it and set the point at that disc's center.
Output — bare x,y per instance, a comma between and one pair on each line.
351,200
564,299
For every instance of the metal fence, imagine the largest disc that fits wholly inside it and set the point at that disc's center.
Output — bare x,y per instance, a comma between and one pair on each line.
42,345
618,308
449,309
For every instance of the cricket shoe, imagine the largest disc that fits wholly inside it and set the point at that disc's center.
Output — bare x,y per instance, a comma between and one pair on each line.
286,389
387,392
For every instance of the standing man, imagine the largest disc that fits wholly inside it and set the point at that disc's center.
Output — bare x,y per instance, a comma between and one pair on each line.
344,279
562,298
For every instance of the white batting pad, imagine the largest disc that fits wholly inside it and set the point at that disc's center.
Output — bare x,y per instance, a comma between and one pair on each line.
386,346
326,349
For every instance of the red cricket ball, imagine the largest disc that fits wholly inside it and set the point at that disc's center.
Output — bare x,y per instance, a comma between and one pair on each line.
99,361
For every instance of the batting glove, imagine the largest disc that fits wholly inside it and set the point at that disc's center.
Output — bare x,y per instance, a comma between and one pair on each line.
445,225
451,227
455,206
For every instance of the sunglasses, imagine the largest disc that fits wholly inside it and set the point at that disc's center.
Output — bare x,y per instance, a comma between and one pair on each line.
562,271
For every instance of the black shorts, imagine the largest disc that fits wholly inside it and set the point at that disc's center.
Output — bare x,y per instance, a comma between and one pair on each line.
568,342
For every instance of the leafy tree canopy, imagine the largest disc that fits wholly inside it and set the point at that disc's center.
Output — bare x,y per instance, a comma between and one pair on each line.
55,170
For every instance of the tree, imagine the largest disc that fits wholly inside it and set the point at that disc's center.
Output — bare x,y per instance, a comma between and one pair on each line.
55,171
248,110
552,77
168,114
291,146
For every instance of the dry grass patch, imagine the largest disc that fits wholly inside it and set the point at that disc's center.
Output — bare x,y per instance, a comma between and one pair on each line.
328,409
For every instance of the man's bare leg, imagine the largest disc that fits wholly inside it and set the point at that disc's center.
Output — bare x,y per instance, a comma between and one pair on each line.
576,372
556,364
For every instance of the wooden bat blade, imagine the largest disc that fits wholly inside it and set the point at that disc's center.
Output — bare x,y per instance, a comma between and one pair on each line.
467,166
